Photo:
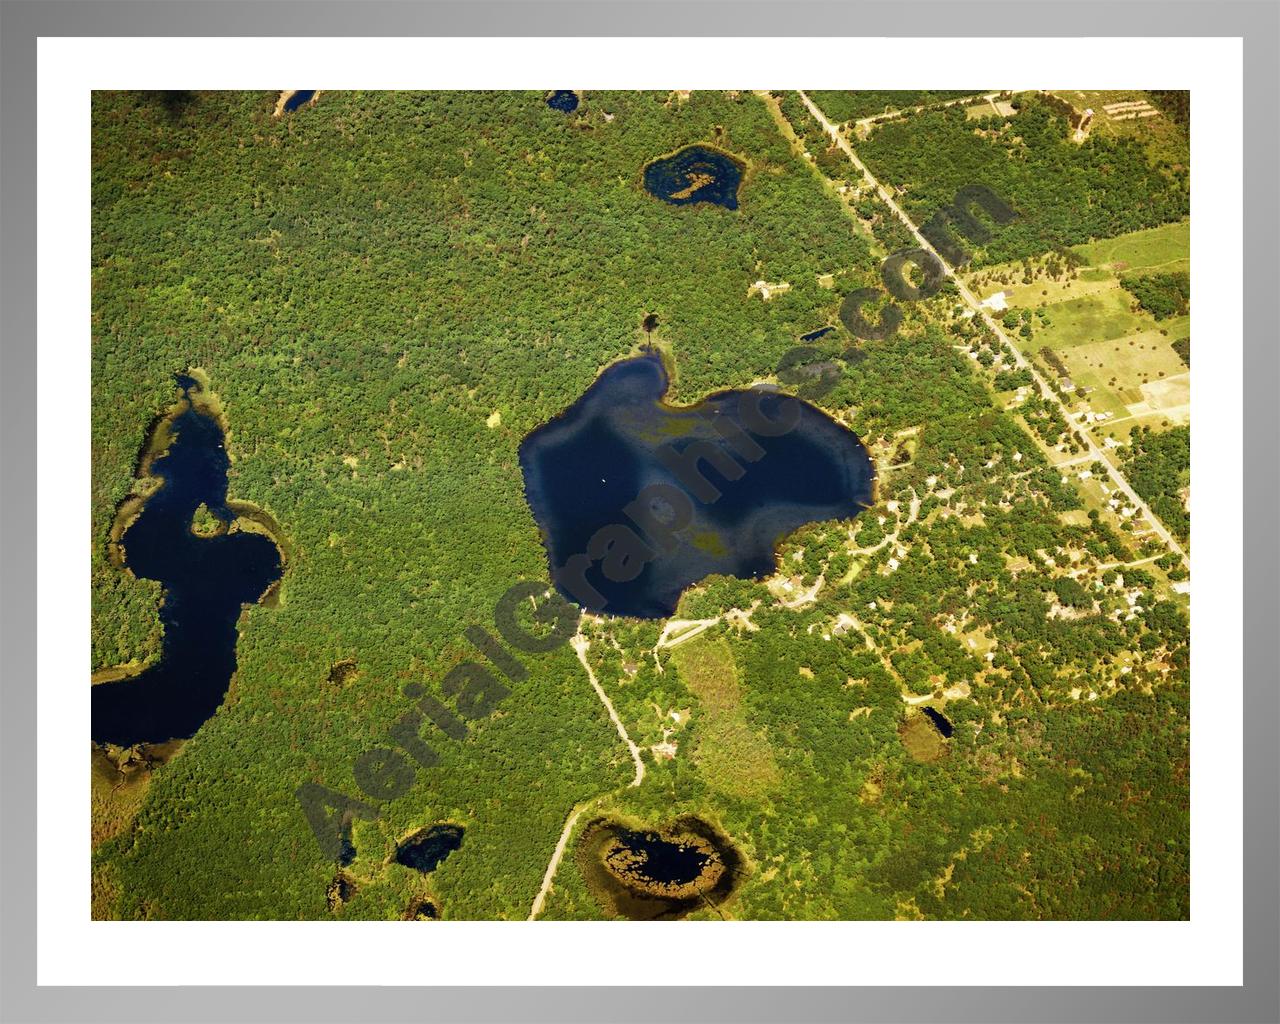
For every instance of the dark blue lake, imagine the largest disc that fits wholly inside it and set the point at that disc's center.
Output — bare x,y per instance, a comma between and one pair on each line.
564,100
654,859
940,721
696,174
635,497
300,97
815,335
206,580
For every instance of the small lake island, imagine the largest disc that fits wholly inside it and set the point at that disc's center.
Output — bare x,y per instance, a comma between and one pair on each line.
695,174
638,499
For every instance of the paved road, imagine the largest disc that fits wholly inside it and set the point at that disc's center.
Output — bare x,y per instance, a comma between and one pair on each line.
1096,451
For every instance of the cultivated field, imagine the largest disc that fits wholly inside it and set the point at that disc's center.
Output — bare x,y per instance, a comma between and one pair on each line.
1166,249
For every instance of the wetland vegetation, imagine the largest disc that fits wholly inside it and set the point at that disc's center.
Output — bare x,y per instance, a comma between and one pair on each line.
695,174
648,874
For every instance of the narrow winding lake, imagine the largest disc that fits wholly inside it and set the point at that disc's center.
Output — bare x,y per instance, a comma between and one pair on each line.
695,174
584,468
206,579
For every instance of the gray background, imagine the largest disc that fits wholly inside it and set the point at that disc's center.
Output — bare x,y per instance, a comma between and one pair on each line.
22,22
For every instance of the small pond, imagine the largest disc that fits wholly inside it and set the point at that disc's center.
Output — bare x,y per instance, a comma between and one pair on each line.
299,97
939,720
425,849
815,335
346,849
695,174
654,874
207,580
564,100
621,458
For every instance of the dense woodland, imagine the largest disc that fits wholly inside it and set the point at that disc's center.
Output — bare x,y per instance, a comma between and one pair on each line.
1174,104
369,280
1158,464
1065,193
1161,295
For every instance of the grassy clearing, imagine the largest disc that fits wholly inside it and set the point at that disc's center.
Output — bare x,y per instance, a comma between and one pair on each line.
1048,293
732,758
1101,316
1107,344
923,742
1167,247
989,108
1142,372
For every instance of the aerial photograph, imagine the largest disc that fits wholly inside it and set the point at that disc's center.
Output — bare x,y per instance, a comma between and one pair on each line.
613,505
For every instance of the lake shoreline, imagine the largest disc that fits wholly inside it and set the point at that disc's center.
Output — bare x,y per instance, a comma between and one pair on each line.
159,438
206,577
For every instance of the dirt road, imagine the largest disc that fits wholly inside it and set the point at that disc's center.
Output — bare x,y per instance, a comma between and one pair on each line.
580,645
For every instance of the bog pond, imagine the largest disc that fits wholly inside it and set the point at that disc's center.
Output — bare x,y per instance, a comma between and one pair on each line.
564,100
654,874
299,97
695,174
939,720
620,443
425,849
206,580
